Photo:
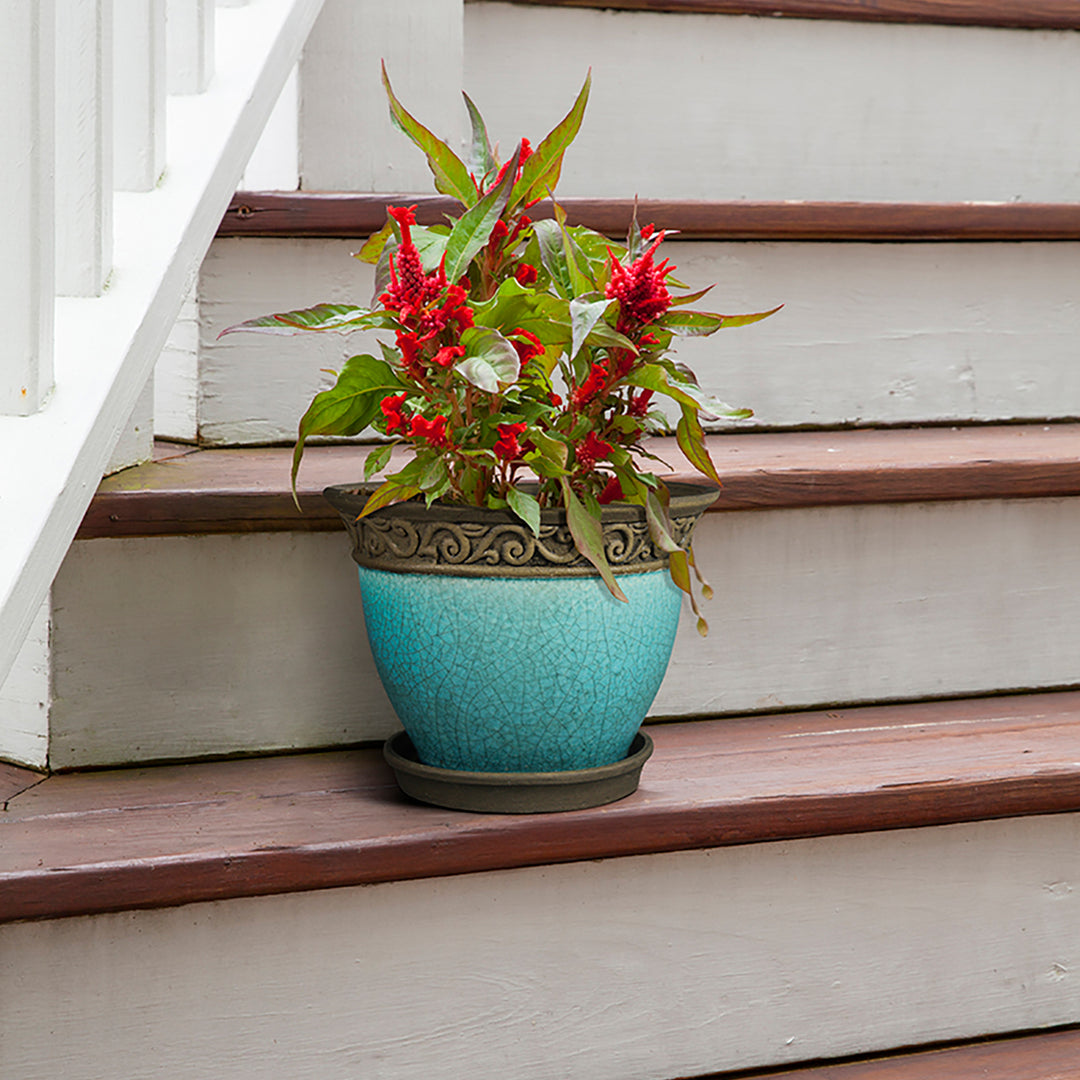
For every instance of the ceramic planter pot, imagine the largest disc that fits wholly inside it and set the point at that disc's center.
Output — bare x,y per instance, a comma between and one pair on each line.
504,653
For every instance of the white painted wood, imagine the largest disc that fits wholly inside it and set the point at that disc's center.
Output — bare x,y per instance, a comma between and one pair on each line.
346,140
138,94
84,147
274,164
252,389
26,695
640,968
176,375
106,347
189,35
186,646
27,48
736,107
135,442
870,334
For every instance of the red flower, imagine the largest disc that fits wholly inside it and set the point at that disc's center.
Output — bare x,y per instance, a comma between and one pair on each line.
391,409
592,386
640,289
527,349
525,274
639,403
613,492
448,354
434,431
507,447
591,451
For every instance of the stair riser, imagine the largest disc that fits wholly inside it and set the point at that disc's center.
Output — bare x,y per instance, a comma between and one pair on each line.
721,107
870,333
623,969
180,647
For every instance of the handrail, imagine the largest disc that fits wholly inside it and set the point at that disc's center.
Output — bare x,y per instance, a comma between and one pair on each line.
106,346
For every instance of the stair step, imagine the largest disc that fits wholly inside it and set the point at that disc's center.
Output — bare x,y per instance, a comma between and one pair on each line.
91,842
325,214
1047,1056
1025,14
186,490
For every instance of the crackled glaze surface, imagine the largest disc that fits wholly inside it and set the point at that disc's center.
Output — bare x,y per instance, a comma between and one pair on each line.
519,675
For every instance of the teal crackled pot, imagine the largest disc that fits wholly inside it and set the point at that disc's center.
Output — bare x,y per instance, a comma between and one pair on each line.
502,652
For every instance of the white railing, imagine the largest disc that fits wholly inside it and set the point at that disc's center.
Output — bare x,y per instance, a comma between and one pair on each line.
126,127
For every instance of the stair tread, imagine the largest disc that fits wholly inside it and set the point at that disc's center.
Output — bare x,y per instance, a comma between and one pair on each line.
80,843
329,214
1050,1055
246,489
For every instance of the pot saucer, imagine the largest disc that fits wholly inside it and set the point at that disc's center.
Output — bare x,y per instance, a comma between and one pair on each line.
515,792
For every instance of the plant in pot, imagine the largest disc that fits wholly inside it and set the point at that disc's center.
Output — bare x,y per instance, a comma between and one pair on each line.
522,573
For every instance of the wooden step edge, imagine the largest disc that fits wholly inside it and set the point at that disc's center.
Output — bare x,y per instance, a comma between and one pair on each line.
247,489
1044,1055
86,843
1015,14
14,780
356,215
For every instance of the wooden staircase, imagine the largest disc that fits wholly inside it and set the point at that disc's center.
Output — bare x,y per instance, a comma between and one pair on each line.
858,834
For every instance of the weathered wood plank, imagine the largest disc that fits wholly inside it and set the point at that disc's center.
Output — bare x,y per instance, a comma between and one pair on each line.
1022,14
351,214
14,780
93,842
247,489
1052,1056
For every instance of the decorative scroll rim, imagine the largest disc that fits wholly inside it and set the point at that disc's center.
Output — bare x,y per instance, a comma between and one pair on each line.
464,541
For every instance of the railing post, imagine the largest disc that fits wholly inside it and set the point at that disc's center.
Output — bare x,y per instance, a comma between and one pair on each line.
190,49
84,147
27,62
138,93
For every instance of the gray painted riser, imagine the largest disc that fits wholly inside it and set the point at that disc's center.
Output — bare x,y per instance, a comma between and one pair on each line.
187,646
870,333
622,969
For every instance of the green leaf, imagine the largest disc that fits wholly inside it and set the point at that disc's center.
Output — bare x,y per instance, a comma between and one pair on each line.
678,560
491,362
553,450
577,263
377,459
584,315
654,377
689,298
526,507
549,238
373,246
542,170
691,440
473,229
324,318
703,323
388,493
435,475
589,538
481,159
451,175
348,406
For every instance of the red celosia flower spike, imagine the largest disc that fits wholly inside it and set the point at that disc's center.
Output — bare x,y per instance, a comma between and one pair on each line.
525,274
391,409
434,430
527,349
448,354
612,492
592,450
507,447
639,403
592,386
640,289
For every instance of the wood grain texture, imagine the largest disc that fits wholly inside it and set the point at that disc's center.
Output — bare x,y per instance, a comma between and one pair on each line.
1051,1056
14,780
245,490
1022,14
342,214
153,837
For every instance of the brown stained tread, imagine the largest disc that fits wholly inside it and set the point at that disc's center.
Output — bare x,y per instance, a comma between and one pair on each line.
1024,14
1053,1055
355,215
243,490
81,843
